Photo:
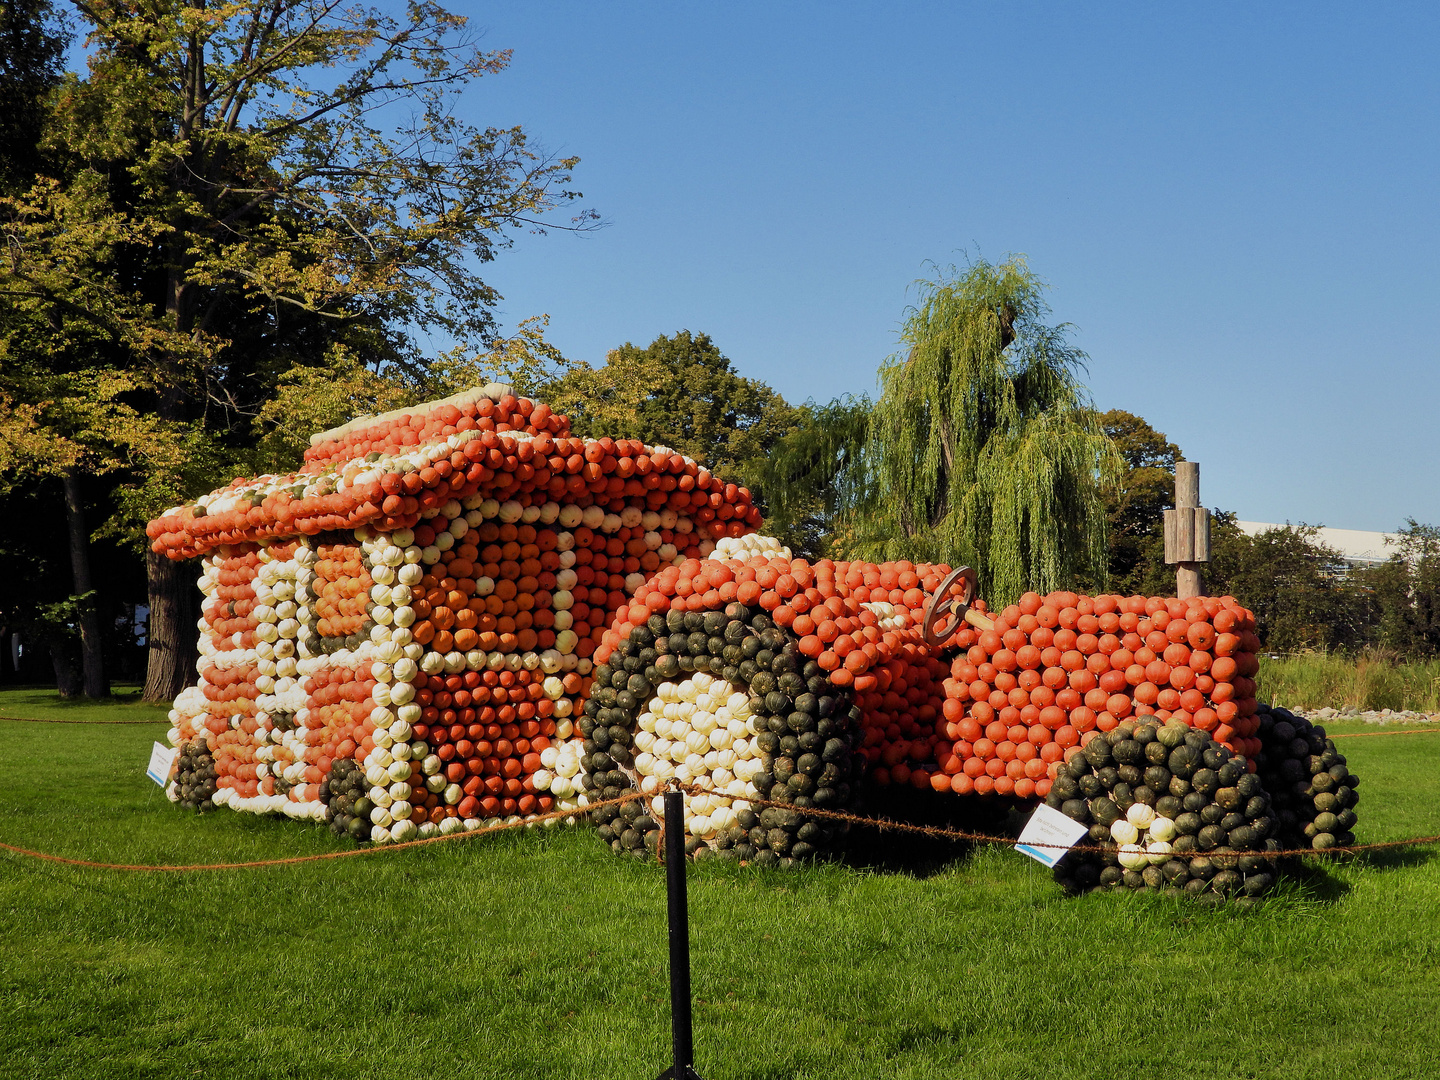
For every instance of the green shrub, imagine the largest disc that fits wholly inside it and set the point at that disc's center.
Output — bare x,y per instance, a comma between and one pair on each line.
1373,679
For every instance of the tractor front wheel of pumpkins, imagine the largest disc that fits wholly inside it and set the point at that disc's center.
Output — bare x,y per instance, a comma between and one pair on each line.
1169,810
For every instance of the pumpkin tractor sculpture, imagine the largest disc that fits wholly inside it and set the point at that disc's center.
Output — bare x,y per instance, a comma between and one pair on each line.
461,613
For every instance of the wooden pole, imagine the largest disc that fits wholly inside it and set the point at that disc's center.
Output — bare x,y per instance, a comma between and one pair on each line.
1188,581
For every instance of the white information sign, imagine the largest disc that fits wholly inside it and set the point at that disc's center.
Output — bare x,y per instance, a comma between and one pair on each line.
162,760
1048,826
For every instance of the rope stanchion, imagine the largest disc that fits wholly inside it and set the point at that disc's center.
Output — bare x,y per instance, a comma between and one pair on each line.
677,913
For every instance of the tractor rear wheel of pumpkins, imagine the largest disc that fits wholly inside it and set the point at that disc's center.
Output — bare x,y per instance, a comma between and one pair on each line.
726,701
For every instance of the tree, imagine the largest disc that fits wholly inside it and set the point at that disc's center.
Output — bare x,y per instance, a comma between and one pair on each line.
1299,589
1407,591
32,443
311,399
684,393
681,392
1135,505
981,448
300,196
32,51
816,475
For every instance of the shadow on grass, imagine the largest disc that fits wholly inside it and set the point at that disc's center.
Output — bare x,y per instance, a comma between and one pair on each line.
47,697
1312,879
1397,858
893,851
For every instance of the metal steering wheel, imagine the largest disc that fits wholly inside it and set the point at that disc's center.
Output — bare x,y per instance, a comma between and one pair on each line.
937,631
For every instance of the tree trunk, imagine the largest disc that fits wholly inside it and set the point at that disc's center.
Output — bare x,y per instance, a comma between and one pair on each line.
92,646
67,675
170,635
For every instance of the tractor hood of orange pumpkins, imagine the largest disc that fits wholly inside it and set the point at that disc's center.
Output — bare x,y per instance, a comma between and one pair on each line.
461,613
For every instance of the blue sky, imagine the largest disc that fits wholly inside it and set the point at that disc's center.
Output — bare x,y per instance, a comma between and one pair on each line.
1236,208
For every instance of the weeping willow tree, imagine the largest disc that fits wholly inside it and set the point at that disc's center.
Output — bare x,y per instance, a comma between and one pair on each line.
815,475
982,448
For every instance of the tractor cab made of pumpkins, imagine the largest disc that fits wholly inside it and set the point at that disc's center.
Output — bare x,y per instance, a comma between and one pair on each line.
398,637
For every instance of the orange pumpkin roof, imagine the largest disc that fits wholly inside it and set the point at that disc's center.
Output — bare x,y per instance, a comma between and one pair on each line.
386,472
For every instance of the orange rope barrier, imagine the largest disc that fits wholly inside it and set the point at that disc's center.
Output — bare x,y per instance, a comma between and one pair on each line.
1372,734
163,720
883,824
352,853
92,723
943,833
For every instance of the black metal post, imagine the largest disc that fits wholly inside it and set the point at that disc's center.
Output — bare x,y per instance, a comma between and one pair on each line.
679,919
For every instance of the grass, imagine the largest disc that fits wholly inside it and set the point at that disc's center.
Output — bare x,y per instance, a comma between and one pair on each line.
43,703
1366,682
538,954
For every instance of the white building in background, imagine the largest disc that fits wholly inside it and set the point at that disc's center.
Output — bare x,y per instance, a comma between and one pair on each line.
1356,546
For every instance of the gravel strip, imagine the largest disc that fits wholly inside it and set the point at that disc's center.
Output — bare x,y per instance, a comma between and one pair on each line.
1371,716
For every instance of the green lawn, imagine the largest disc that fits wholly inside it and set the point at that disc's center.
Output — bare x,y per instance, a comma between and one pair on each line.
539,954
